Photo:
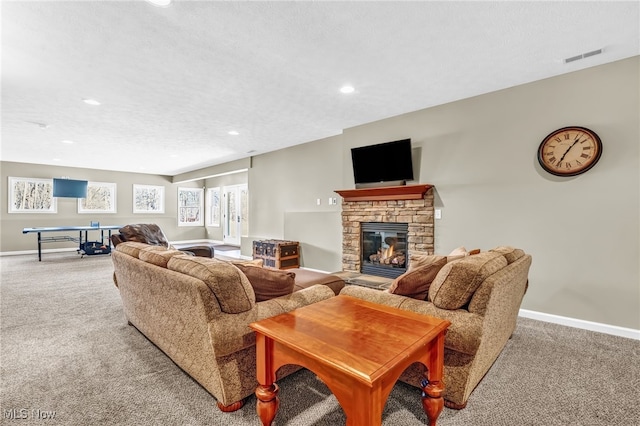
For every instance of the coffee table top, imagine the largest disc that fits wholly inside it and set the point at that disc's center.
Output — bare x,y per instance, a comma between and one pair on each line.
360,338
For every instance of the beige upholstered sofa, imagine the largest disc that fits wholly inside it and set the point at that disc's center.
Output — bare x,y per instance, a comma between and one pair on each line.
197,311
479,294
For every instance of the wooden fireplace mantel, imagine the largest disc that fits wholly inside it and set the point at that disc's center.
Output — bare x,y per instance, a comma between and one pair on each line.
403,192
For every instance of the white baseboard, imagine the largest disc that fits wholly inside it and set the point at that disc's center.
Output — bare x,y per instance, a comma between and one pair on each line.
196,241
629,333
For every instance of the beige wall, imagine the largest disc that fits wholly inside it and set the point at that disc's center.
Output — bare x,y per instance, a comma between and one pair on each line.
11,225
480,154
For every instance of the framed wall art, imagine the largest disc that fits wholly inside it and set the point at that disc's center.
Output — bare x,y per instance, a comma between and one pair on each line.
190,206
213,206
148,199
101,198
31,195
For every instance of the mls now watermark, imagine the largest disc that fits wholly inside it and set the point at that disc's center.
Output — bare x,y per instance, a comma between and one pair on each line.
25,413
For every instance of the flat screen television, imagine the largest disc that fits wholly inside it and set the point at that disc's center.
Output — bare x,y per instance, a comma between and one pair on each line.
384,162
70,188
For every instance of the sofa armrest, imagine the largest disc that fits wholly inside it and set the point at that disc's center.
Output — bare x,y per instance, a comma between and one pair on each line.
301,298
463,335
230,333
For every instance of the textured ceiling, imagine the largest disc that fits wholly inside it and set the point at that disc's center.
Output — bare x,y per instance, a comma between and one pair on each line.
174,81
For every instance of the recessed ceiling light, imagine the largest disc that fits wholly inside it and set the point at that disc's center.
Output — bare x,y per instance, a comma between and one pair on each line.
67,142
56,159
234,132
347,89
160,3
91,101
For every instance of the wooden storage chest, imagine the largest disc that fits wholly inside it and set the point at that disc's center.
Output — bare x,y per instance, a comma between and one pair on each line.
279,254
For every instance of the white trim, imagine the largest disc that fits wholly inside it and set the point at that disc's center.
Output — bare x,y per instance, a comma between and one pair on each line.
629,333
203,241
210,176
314,270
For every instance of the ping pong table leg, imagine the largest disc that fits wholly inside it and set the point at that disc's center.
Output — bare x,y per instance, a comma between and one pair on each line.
39,248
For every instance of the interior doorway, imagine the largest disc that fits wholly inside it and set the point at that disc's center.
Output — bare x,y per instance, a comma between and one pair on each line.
236,213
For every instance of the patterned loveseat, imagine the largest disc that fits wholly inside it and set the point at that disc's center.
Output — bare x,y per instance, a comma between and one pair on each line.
480,295
197,311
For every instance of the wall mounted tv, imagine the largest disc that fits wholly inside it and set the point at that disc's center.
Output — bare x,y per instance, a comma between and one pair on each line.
385,163
70,188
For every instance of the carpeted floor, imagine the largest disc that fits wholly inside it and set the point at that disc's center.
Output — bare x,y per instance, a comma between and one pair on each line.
66,350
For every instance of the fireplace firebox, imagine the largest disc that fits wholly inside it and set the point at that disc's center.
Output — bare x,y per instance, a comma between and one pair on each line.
384,248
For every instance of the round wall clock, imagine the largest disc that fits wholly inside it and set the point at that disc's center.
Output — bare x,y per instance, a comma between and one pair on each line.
570,151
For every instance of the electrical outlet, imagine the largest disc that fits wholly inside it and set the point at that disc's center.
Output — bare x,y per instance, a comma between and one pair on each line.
318,201
438,213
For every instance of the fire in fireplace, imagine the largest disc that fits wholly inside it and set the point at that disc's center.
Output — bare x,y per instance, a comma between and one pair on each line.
384,249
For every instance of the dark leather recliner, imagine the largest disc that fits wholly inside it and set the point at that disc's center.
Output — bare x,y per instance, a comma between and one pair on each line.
149,233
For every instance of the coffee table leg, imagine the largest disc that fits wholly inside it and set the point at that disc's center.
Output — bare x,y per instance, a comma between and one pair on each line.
267,391
432,400
432,385
267,403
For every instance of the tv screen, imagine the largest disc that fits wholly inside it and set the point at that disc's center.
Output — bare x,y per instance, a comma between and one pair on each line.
70,188
384,162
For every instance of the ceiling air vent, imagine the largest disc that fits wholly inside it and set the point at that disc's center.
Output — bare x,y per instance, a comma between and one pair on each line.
584,55
592,53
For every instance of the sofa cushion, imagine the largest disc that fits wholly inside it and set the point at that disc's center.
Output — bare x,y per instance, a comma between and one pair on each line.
131,248
418,260
158,255
510,253
457,281
415,283
230,286
252,262
268,283
459,251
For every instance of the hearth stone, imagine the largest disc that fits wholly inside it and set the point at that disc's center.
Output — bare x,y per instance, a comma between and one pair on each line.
364,280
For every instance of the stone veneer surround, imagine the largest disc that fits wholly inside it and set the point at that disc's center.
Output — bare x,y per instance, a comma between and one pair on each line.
417,213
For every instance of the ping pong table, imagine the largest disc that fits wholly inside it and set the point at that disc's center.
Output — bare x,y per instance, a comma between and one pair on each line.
80,239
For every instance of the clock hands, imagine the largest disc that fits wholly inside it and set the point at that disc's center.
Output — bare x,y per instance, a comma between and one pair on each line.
568,149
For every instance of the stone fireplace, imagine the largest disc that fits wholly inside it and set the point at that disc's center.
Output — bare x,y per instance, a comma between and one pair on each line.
410,206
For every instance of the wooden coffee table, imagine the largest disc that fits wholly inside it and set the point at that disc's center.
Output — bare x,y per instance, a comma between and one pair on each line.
357,348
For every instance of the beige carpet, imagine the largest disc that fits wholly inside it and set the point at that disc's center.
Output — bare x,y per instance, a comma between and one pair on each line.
65,347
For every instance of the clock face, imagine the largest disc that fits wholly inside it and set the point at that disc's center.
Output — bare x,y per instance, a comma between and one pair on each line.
569,151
